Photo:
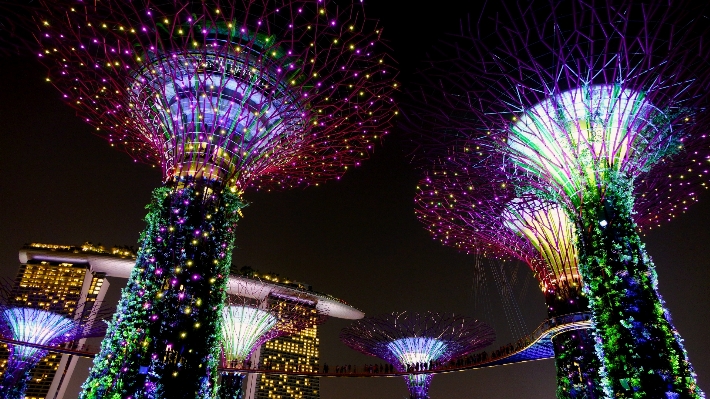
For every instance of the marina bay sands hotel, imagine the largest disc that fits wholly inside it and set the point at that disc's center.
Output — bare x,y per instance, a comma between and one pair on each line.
57,276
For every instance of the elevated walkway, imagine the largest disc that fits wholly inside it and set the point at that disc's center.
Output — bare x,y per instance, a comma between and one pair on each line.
536,346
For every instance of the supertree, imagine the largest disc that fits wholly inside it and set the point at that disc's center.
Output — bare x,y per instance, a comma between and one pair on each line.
481,213
595,108
417,342
41,328
223,96
253,318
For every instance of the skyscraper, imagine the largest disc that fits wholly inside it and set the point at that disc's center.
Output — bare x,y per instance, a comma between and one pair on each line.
56,277
296,352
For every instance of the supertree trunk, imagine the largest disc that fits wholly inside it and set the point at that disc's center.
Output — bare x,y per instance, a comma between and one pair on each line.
577,366
641,352
576,360
13,382
164,339
231,386
418,385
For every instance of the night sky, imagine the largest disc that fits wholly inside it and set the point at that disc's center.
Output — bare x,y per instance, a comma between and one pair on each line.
356,238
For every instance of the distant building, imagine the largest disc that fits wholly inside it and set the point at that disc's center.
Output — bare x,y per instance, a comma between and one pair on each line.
48,279
297,352
58,276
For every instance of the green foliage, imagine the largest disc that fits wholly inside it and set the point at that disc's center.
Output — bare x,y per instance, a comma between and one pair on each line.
164,339
577,366
641,352
13,382
231,386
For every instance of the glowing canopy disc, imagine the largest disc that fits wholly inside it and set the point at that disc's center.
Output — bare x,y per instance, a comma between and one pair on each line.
214,115
243,329
36,326
573,137
548,228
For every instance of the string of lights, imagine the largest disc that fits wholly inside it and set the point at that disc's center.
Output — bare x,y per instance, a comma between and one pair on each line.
33,324
223,97
482,214
253,318
417,341
591,108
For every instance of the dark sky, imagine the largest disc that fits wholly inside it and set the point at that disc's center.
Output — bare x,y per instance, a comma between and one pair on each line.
357,238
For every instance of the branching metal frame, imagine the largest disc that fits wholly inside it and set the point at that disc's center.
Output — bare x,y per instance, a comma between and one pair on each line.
261,94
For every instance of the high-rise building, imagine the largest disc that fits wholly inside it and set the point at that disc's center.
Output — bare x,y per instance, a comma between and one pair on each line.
294,353
297,352
56,278
52,286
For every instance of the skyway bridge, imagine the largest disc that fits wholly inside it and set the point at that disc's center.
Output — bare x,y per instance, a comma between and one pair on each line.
536,346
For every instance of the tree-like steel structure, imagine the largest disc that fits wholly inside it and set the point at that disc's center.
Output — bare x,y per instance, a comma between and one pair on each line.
223,96
482,213
253,318
41,327
417,342
15,19
600,110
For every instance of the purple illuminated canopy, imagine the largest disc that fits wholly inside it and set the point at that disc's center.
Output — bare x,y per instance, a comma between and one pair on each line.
417,341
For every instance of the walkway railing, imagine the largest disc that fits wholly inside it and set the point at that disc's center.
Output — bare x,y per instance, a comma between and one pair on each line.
535,346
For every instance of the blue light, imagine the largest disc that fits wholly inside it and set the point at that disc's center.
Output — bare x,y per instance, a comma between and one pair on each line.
410,351
37,326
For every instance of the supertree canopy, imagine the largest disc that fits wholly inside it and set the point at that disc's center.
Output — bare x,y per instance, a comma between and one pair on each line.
15,19
244,328
598,109
481,213
417,342
41,328
223,96
251,319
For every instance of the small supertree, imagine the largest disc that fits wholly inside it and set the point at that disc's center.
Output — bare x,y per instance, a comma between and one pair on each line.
481,213
41,327
417,342
223,96
253,318
595,107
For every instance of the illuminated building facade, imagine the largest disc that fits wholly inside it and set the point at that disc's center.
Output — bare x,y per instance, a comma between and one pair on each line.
55,278
91,268
297,352
293,352
52,286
